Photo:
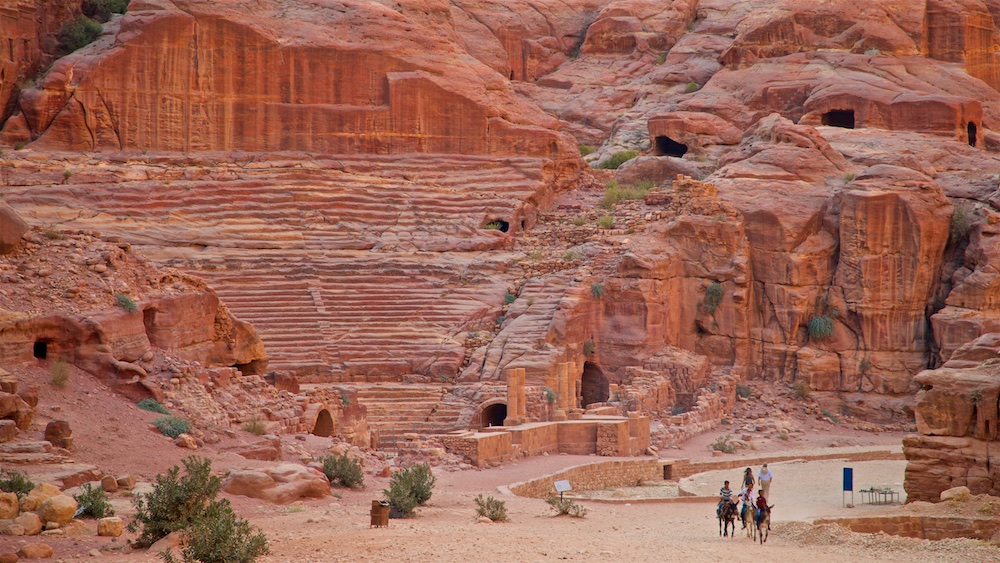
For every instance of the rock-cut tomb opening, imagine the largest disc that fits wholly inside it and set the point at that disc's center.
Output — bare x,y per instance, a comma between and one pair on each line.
665,146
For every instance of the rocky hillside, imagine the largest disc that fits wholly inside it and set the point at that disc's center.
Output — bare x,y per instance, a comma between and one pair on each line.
391,191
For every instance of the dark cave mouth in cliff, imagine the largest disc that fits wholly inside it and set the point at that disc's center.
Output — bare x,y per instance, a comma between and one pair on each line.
973,132
40,350
494,415
498,225
594,385
324,424
839,118
665,146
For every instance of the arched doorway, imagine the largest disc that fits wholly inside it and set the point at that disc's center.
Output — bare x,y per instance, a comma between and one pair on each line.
493,415
324,424
593,385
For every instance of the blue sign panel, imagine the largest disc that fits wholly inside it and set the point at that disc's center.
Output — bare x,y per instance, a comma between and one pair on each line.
848,479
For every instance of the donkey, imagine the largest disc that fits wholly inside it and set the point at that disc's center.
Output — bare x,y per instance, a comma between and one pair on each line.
746,517
727,519
764,523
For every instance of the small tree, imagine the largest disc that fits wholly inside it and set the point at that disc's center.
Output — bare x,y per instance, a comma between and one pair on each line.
175,501
78,33
344,471
410,487
713,297
16,482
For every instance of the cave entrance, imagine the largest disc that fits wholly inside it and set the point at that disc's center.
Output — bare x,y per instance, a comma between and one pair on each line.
972,130
665,146
40,350
324,424
253,367
494,415
593,385
498,225
839,118
149,321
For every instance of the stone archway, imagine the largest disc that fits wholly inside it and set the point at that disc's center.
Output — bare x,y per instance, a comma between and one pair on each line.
593,385
493,415
324,424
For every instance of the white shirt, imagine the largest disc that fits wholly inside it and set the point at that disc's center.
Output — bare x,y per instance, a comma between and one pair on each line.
765,476
747,496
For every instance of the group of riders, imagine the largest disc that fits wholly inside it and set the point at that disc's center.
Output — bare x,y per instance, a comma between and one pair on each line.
757,504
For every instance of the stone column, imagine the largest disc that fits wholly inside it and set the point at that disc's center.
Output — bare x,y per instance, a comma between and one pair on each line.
522,412
562,378
512,397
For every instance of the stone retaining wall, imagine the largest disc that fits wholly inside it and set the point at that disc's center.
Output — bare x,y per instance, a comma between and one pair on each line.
924,527
680,468
592,476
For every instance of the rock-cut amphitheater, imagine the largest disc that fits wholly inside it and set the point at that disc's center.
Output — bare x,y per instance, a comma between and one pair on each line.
507,228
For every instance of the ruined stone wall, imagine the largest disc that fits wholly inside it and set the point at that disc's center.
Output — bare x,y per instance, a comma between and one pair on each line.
593,476
923,527
482,449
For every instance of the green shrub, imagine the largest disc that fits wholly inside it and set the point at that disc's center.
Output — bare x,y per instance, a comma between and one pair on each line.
218,536
723,444
586,149
93,502
152,405
661,58
126,302
872,52
849,177
588,348
820,327
172,426
16,482
101,10
616,160
571,256
713,297
255,426
343,471
409,488
77,33
550,395
606,222
52,233
494,226
59,373
509,298
597,289
615,194
801,389
743,391
566,506
961,224
691,87
491,508
830,415
175,502
19,145
345,400
580,221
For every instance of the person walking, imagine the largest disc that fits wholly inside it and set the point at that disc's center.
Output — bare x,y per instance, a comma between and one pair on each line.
765,477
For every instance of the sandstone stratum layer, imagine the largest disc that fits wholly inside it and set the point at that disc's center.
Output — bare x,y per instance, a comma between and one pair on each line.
391,193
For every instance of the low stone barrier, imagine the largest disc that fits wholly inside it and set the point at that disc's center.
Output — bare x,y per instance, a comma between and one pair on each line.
923,527
592,476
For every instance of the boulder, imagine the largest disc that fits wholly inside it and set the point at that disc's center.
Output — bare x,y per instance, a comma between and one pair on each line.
957,493
112,526
8,557
12,228
109,483
126,482
59,434
14,530
281,485
30,523
59,508
9,506
35,551
186,441
76,528
38,495
8,430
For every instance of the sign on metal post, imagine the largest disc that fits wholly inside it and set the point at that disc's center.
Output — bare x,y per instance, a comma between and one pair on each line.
848,484
562,487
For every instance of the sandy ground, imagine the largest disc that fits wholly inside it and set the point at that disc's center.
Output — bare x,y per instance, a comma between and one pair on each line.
112,433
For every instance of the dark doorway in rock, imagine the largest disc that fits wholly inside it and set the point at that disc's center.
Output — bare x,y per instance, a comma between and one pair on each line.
324,424
41,349
972,130
593,385
498,225
254,367
149,321
494,415
665,146
839,118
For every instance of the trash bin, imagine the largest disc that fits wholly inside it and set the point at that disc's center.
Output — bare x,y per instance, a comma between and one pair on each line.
380,514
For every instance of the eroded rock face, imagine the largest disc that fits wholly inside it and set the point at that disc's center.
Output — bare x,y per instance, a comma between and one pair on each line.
281,485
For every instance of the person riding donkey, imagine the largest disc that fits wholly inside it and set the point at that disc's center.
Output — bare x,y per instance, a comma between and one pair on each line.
725,495
746,495
762,507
